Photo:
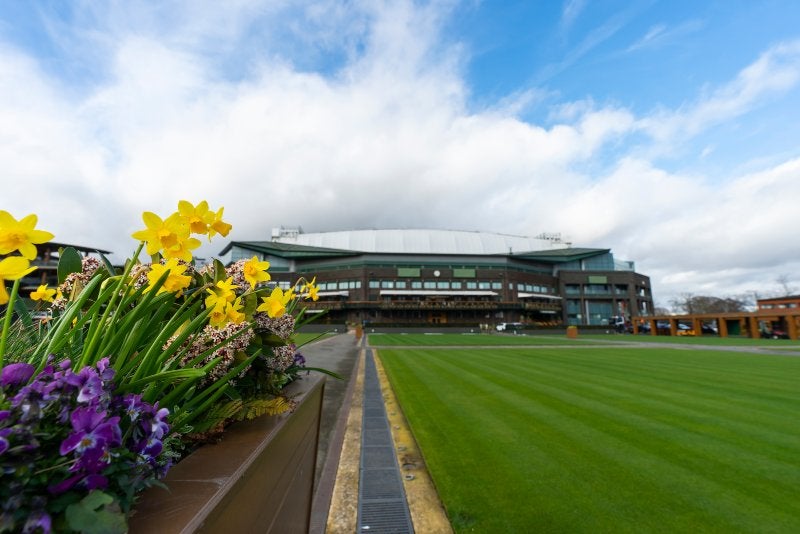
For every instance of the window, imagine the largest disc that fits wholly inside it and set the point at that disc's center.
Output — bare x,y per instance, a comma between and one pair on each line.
472,285
387,284
484,285
442,285
455,285
596,289
429,285
374,284
572,289
416,284
497,285
400,284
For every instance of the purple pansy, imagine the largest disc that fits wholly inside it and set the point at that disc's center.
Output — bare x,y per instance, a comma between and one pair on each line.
91,431
73,423
38,521
16,374
4,432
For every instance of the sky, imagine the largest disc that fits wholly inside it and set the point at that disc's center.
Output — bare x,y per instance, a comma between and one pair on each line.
667,131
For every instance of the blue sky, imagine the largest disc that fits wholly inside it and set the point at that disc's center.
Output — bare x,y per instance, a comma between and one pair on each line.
665,130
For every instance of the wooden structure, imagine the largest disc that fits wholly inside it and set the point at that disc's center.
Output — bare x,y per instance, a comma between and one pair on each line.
755,324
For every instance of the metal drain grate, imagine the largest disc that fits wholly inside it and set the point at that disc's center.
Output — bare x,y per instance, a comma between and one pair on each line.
382,506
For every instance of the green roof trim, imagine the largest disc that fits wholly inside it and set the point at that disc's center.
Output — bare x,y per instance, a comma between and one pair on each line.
288,250
293,251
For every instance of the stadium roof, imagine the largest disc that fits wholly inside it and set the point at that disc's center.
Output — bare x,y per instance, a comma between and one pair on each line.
416,241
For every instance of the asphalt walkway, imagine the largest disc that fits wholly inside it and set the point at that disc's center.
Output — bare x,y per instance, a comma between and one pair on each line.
337,353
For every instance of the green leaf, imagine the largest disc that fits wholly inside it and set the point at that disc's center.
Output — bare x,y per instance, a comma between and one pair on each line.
109,267
24,313
219,271
97,513
69,261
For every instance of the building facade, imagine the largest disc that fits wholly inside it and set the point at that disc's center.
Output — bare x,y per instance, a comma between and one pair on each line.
779,303
46,263
405,277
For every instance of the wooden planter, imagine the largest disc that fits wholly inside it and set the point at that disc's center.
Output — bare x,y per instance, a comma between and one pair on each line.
259,478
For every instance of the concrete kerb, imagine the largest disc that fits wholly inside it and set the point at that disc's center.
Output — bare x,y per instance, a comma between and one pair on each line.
427,512
343,512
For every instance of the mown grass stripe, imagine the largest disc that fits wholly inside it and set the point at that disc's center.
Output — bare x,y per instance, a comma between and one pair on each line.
644,405
563,430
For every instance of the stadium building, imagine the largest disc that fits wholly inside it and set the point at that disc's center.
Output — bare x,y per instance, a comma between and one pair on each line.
414,277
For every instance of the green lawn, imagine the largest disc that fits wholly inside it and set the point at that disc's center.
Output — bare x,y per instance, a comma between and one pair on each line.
472,340
606,439
301,338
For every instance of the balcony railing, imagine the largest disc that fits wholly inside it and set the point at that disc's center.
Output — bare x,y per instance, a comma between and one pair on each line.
433,305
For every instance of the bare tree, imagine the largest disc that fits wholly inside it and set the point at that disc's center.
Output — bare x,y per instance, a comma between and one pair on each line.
785,288
691,304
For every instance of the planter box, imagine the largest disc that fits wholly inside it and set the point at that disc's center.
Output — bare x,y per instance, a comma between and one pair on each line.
259,478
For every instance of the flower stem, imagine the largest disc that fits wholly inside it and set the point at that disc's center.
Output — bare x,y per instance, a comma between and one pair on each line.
7,320
53,467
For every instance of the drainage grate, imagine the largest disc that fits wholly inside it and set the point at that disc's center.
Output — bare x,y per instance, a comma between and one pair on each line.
382,506
377,457
384,517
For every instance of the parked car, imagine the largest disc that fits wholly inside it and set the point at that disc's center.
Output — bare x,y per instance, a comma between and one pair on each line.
775,333
708,329
509,327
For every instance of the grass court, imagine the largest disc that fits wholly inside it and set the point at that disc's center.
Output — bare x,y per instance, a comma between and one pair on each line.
602,438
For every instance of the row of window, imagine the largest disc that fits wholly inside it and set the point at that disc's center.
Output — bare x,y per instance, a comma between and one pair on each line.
432,284
448,284
421,284
596,289
340,285
779,306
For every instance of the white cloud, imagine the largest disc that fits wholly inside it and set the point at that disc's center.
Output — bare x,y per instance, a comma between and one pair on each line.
661,34
774,72
570,12
387,139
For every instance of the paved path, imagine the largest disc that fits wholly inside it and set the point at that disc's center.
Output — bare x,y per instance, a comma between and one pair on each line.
338,353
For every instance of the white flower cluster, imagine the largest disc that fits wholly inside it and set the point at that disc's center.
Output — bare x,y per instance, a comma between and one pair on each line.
282,357
74,281
236,272
282,326
208,338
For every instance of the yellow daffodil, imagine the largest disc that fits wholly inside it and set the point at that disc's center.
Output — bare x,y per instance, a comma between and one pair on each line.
275,303
222,293
176,281
163,234
234,312
12,268
310,290
219,315
197,217
182,250
21,235
43,294
217,226
256,271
